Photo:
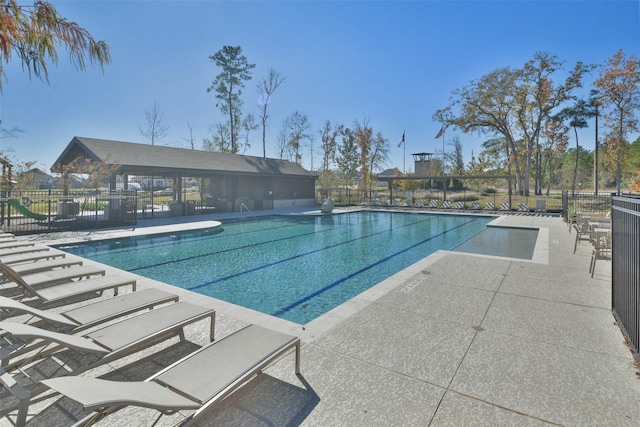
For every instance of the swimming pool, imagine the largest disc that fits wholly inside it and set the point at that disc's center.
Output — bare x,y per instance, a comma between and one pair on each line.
296,267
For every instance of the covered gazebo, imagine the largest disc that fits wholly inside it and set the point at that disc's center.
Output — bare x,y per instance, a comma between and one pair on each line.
228,181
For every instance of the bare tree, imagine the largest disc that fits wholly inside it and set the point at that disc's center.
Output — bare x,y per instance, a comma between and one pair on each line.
220,140
348,158
9,133
294,134
283,138
156,129
329,143
5,133
455,157
363,136
266,87
247,126
191,144
378,155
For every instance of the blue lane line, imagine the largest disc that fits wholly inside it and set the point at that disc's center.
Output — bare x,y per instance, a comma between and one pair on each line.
265,242
173,241
301,301
222,279
334,228
226,236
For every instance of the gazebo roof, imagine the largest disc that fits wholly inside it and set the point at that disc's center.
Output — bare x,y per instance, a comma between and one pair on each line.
145,159
391,173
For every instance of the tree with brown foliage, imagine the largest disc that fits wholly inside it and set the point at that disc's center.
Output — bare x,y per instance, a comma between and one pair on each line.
35,32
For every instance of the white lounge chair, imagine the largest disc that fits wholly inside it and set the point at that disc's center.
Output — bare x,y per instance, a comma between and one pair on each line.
108,342
50,277
89,315
23,250
475,206
196,382
44,265
14,244
57,291
31,257
460,205
111,342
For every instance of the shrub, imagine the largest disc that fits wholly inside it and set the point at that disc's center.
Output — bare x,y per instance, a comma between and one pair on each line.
470,197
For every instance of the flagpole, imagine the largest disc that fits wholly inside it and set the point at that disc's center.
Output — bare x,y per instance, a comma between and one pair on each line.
444,181
404,153
443,151
444,185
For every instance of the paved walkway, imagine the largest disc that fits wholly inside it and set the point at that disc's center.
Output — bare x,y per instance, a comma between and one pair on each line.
454,340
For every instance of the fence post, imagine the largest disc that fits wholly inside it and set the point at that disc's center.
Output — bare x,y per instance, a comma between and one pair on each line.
96,202
49,209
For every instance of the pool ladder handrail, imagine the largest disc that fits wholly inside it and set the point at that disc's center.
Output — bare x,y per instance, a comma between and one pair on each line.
242,205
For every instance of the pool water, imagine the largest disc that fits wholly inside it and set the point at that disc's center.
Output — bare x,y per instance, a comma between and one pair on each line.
296,267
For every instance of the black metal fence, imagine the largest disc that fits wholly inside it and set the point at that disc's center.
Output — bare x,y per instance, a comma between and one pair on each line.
340,196
585,202
625,262
534,203
28,212
31,212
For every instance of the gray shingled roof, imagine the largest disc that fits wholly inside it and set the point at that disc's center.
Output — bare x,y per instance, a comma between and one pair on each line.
390,173
136,158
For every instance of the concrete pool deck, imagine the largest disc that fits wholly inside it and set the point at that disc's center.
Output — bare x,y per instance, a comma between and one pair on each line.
455,339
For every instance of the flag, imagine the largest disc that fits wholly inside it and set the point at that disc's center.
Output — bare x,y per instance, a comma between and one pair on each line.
402,140
441,132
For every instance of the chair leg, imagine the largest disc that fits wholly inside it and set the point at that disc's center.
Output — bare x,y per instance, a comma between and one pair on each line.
10,384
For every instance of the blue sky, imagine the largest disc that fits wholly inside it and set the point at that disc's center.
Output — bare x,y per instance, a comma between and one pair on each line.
394,63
